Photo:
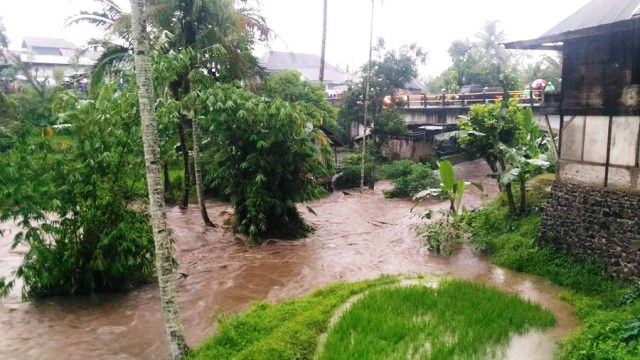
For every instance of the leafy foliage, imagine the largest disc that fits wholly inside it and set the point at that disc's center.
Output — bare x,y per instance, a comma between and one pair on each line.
351,173
73,201
632,295
510,142
408,178
390,71
288,86
265,157
450,188
482,61
440,236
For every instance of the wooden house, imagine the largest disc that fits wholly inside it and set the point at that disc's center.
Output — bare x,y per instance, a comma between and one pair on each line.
594,207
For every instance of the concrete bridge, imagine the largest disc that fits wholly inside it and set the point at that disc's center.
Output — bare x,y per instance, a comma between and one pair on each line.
417,117
445,109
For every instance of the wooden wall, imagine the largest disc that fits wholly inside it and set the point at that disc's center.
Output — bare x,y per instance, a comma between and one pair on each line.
598,75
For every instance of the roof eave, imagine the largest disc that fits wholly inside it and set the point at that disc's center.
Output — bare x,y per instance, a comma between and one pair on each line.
555,41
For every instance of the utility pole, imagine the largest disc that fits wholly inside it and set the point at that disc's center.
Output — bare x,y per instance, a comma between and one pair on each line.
366,101
324,42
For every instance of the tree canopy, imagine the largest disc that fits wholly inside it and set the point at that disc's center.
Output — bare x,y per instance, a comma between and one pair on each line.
484,61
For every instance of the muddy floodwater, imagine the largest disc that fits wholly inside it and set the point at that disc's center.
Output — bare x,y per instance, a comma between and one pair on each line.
358,236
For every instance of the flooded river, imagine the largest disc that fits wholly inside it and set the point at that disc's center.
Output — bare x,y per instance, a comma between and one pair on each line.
358,236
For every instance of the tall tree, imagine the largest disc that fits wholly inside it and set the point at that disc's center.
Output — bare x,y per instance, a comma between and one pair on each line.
390,71
491,38
199,25
161,233
324,42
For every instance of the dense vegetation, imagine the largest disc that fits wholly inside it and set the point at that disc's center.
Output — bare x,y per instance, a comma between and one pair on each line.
383,323
265,158
408,178
609,309
73,199
483,61
350,175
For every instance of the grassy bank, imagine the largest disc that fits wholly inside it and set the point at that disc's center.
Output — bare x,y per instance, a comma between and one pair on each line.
609,310
458,319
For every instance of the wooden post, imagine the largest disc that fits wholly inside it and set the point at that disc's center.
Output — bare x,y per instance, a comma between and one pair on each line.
606,166
444,97
531,97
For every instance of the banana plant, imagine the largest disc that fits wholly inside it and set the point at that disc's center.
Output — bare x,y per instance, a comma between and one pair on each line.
525,160
450,187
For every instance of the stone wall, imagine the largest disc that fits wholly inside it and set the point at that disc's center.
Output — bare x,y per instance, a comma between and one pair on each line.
597,222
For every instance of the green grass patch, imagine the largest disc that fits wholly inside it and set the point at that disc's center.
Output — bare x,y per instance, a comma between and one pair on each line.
289,330
607,307
458,320
474,316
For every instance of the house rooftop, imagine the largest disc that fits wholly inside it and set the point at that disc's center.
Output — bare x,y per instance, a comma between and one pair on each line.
307,64
594,18
29,42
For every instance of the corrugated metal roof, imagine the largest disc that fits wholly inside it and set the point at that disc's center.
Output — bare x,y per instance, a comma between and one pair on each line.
33,41
307,64
596,17
597,12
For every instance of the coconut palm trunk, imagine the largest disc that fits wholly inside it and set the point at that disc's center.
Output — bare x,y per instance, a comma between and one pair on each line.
161,233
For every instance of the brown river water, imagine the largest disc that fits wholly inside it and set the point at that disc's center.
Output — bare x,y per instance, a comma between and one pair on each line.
358,236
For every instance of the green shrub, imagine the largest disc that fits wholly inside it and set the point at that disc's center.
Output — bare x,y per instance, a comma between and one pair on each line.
409,178
265,158
351,173
74,204
440,236
605,334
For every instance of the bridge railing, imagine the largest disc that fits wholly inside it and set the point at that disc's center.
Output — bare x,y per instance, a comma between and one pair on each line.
531,97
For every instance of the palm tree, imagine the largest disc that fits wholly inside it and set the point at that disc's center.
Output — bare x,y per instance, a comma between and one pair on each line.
196,25
490,39
199,25
161,233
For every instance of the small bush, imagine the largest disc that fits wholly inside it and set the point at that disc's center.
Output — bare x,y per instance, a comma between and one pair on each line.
409,178
605,334
351,174
440,236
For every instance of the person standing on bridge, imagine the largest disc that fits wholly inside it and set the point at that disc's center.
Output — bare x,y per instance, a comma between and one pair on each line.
549,87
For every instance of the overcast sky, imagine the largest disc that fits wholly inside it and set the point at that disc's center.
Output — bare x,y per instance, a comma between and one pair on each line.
433,25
